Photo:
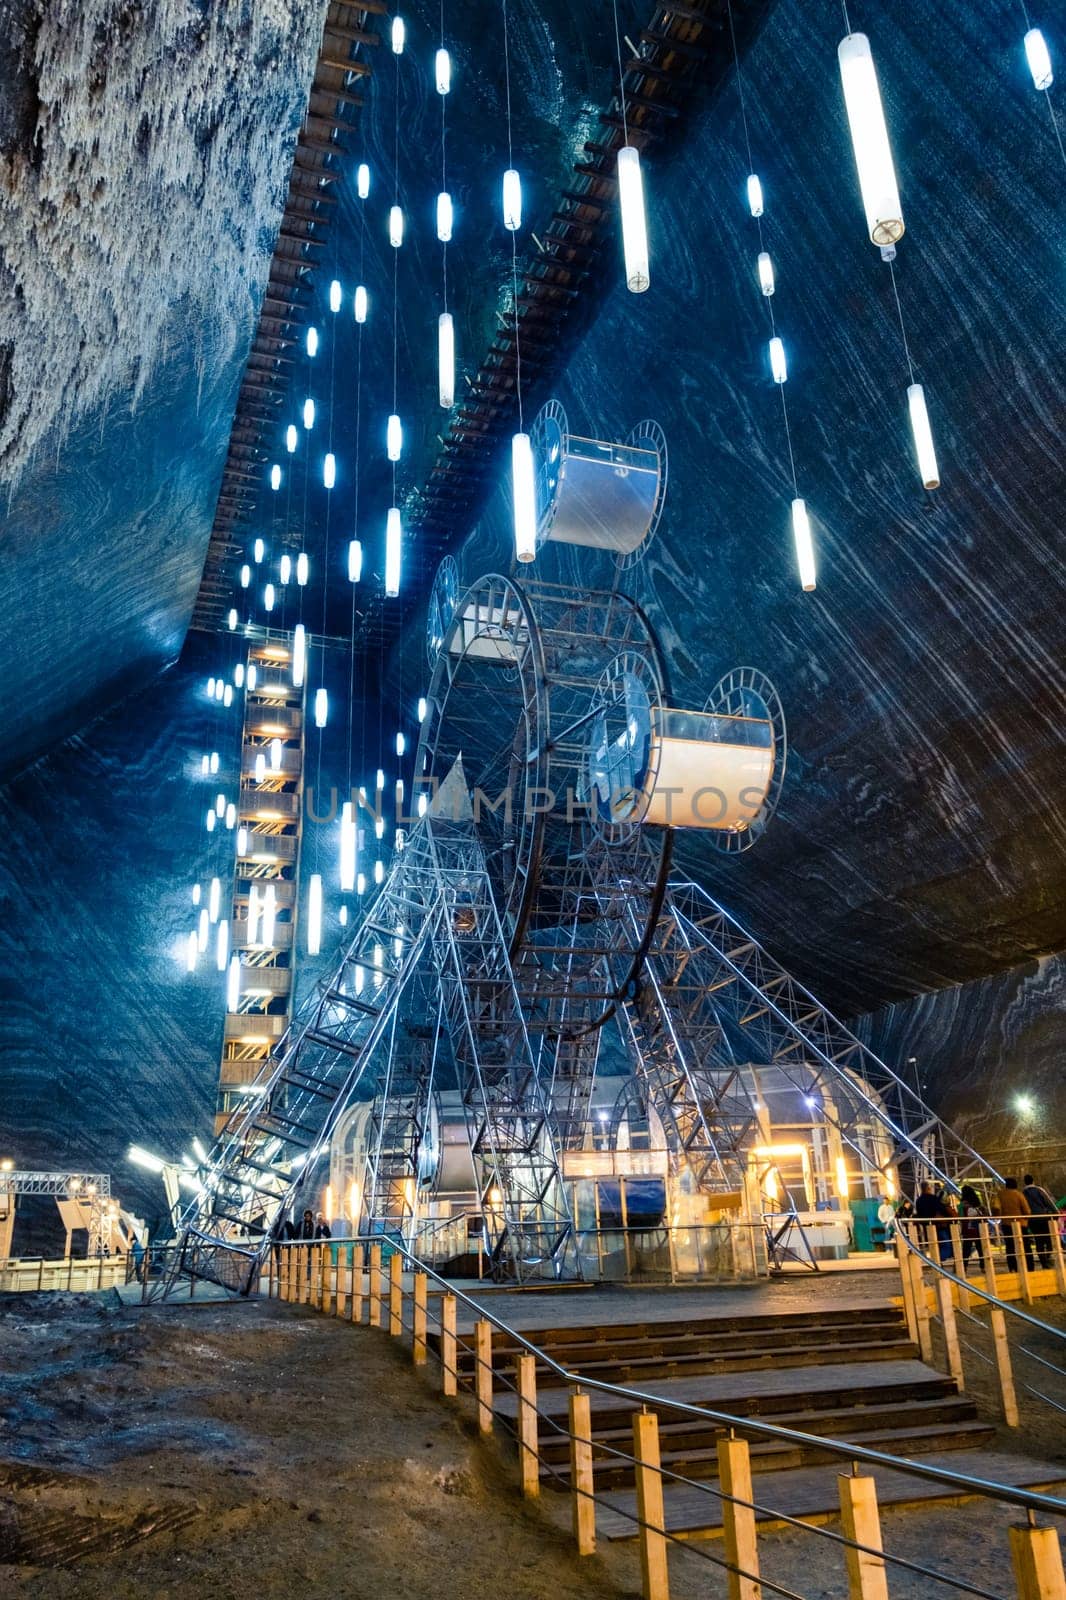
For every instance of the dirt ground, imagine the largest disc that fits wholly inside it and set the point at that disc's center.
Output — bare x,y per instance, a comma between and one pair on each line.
262,1450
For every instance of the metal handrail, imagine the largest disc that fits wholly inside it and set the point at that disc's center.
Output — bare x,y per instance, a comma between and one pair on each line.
1028,1499
964,1283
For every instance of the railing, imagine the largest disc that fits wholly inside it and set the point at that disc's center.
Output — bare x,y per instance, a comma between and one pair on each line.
343,1277
927,1246
80,1274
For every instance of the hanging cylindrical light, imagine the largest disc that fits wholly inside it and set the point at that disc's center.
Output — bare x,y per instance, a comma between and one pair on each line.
210,820
302,568
190,952
285,568
233,984
220,807
222,945
227,695
348,846
524,496
257,551
512,200
380,782
270,910
202,931
443,71
379,877
314,914
329,470
214,899
342,916
232,619
275,755
309,413
923,437
362,180
210,688
394,438
393,552
359,303
291,437
253,914
242,840
299,655
355,560
220,688
445,217
268,597
422,708
869,138
446,359
275,477
395,227
801,533
321,708
401,744
238,675
246,575
204,766
231,815
766,273
778,364
335,295
360,888
214,761
379,827
253,674
312,342
1038,56
260,767
398,36
197,894
634,223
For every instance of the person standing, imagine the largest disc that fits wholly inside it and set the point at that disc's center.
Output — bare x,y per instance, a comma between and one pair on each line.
973,1213
1014,1207
1043,1215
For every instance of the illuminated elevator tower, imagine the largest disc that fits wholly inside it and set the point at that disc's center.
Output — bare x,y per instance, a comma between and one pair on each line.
266,872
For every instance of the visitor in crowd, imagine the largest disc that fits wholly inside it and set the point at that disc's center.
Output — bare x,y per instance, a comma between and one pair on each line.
305,1228
973,1214
1043,1214
322,1228
1014,1210
928,1208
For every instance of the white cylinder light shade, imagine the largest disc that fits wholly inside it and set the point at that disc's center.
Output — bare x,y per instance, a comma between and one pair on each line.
355,561
524,494
362,180
260,767
190,952
257,550
299,655
205,766
268,597
379,872
446,359
220,688
291,437
246,575
321,708
512,200
634,223
755,195
801,533
220,809
1038,57
380,780
270,906
285,568
214,761
210,820
309,413
393,552
238,675
329,470
359,303
422,708
242,840
401,744
252,675
869,138
197,894
222,945
275,477
395,227
443,71
275,755
398,36
227,695
394,438
923,437
231,815
301,568
766,273
214,899
778,364
232,618
202,931
233,984
312,342
348,846
335,295
445,216
314,914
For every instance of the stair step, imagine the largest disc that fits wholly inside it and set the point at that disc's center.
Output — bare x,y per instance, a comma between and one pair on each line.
780,1323
637,1372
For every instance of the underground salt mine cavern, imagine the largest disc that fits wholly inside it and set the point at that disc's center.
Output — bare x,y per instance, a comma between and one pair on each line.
533,654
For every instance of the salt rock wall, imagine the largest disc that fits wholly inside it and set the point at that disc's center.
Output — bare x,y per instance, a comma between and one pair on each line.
143,156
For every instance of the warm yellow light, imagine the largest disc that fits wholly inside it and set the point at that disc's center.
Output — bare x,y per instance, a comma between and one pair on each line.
842,1177
890,1184
495,1197
327,1202
770,1185
353,1204
774,1150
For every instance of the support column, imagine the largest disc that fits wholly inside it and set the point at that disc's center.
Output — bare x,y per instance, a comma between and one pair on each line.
862,1523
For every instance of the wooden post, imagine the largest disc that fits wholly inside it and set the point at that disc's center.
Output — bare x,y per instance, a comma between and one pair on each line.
1001,1350
325,1302
1020,1240
528,1436
862,1523
418,1330
1056,1257
396,1294
583,1505
906,1288
344,1253
738,1521
283,1287
448,1348
483,1373
921,1310
374,1286
314,1285
355,1306
305,1273
959,1267
986,1256
951,1332
654,1572
1037,1559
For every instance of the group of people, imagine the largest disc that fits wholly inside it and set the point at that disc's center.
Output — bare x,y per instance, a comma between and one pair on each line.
310,1226
1030,1205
